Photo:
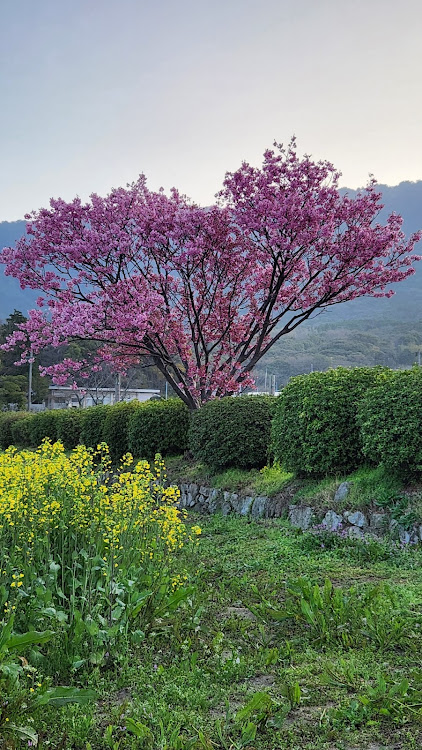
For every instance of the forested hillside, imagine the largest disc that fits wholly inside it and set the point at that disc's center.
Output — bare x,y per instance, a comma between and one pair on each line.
347,343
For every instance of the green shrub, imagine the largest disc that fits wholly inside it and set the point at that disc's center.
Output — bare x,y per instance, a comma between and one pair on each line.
21,432
93,425
69,427
159,427
7,419
233,431
44,425
116,426
315,430
390,418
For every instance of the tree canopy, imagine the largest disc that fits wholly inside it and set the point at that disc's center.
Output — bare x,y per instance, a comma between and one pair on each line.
203,292
13,379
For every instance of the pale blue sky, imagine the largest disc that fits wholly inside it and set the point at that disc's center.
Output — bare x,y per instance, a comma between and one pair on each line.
93,92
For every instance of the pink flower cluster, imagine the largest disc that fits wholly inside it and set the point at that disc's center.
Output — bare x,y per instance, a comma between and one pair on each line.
203,292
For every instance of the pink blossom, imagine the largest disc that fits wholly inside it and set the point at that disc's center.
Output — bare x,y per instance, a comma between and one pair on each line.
203,292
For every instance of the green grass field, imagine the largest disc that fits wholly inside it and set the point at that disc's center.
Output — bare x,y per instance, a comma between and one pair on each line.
260,658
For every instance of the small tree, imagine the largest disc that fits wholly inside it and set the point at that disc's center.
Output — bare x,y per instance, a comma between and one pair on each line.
14,380
13,391
204,292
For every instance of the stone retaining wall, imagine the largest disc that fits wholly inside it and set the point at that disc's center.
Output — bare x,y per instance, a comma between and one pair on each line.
210,500
351,523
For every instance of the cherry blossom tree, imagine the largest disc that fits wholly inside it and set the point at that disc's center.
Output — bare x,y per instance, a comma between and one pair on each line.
203,293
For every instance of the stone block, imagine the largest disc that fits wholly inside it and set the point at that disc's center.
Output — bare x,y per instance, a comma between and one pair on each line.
378,521
245,505
226,506
355,532
332,520
404,535
342,491
213,501
258,506
300,517
183,499
356,518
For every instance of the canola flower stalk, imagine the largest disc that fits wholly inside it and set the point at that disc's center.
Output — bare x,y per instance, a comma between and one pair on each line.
55,507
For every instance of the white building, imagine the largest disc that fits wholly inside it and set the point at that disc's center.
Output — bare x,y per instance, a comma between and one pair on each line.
63,397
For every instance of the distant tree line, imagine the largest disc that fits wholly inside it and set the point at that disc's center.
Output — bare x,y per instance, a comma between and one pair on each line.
14,379
354,343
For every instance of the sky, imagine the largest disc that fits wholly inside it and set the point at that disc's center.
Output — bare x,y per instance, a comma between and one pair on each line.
94,92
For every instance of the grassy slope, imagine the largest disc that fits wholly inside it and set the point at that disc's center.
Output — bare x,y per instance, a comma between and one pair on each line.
369,487
192,679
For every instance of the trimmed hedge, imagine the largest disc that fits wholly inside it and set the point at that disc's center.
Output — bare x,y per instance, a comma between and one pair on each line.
93,425
315,429
21,432
116,428
159,427
390,418
233,431
69,427
45,424
7,419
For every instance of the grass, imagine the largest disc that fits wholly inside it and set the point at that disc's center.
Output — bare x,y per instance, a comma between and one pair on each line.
267,481
370,487
220,677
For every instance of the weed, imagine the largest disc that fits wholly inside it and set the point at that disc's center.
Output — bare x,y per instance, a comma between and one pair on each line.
398,700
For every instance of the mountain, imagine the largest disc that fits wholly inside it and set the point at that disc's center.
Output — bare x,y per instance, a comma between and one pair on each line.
404,199
12,297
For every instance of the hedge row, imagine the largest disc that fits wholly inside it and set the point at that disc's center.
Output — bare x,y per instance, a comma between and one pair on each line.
322,423
390,420
315,430
332,422
229,432
233,432
144,429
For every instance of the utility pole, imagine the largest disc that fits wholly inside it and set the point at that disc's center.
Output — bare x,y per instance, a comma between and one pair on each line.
117,388
30,381
167,388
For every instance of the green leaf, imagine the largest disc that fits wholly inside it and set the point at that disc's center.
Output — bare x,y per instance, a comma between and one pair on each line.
92,628
307,612
77,664
137,728
137,636
259,702
23,733
17,642
249,732
11,671
296,694
5,634
61,696
173,601
140,601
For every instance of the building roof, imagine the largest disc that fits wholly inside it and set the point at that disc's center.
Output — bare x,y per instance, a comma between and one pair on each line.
103,390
